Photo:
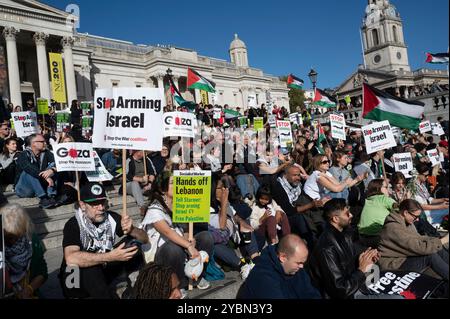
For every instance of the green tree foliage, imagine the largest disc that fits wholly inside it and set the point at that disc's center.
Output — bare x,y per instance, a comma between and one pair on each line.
296,97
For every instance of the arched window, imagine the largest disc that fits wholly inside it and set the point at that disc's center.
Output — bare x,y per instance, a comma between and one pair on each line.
376,39
394,31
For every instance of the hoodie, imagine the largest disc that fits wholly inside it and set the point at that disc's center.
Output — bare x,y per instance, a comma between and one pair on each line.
267,280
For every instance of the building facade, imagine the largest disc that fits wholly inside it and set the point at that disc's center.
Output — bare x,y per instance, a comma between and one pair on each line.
32,29
386,64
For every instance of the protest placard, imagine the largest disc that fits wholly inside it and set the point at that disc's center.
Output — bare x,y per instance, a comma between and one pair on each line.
129,118
86,123
62,121
337,123
258,123
433,155
285,133
25,123
100,174
437,129
243,121
378,136
293,117
403,163
272,119
191,196
86,108
42,106
179,124
425,127
74,157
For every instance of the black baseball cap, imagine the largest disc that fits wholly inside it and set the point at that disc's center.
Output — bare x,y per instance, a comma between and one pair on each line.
92,192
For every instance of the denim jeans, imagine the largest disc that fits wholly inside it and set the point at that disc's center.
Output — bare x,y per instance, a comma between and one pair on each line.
438,262
28,186
228,255
248,184
343,194
171,254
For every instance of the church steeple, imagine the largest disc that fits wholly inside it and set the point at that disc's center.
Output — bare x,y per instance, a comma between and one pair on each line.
384,44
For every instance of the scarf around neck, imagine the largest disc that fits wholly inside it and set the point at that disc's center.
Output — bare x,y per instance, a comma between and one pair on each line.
18,258
292,192
95,239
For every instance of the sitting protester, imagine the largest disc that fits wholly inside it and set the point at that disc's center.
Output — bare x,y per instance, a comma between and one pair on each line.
8,162
335,267
267,217
169,244
36,172
402,247
157,282
24,254
279,274
137,181
377,207
88,243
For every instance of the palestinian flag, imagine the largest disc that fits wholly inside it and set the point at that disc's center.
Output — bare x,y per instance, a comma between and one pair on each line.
323,99
294,82
320,138
438,58
178,98
196,81
381,106
231,114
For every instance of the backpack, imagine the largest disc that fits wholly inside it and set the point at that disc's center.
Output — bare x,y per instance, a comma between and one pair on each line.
213,272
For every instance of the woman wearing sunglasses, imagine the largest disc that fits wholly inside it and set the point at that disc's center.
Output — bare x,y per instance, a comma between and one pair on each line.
403,248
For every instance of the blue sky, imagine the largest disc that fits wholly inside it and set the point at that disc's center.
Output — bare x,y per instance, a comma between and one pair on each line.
282,36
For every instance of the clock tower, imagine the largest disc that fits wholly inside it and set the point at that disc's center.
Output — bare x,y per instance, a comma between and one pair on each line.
383,41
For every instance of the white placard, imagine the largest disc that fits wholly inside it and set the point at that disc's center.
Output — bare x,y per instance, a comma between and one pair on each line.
284,133
437,129
425,127
179,124
25,123
337,123
100,174
251,100
293,117
403,163
378,136
129,118
433,155
74,157
272,119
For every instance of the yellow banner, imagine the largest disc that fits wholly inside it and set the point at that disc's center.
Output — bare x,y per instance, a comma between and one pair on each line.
57,76
204,97
191,196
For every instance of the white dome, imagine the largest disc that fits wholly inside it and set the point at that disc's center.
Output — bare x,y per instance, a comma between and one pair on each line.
237,43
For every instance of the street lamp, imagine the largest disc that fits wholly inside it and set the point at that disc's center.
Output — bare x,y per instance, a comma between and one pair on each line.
313,78
169,79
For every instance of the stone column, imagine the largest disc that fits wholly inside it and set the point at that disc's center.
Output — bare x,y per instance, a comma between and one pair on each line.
67,44
15,95
44,83
160,78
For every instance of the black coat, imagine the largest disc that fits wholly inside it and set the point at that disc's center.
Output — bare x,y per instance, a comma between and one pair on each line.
333,265
27,162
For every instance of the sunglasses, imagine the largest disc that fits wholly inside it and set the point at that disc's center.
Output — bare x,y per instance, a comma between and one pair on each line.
325,162
416,217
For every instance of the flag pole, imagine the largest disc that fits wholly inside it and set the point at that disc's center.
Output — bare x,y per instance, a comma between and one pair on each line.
124,183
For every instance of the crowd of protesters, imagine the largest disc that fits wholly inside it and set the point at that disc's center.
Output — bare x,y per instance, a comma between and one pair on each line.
304,221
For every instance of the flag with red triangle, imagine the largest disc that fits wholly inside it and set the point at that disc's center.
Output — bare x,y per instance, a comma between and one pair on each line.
196,81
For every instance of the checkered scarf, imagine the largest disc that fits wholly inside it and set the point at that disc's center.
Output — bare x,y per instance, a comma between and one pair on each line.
95,239
293,192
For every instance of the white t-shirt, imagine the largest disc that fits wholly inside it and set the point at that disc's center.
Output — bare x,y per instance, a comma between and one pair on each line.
155,213
314,189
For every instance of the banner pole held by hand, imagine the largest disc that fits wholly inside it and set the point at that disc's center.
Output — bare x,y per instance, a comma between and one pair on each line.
191,237
78,184
124,183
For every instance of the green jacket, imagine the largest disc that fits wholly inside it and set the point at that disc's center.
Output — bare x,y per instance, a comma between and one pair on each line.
375,211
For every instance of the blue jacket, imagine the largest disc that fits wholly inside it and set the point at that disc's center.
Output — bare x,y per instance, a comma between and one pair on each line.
267,280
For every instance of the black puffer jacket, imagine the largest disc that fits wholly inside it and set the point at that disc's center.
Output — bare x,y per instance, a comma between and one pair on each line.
333,265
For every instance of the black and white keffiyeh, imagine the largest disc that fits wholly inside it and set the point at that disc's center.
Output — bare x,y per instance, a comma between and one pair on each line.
18,258
292,192
95,239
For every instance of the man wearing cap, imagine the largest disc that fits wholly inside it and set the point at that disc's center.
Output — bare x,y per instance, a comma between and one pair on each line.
90,261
